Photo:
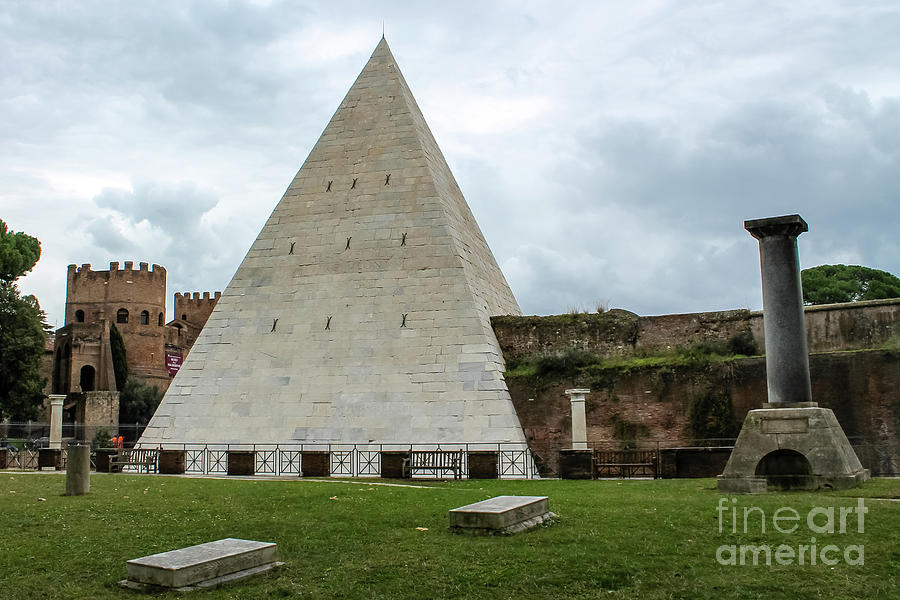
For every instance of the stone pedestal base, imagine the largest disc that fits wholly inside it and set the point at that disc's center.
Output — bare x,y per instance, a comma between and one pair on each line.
315,463
576,464
483,464
172,462
392,463
241,462
791,448
49,457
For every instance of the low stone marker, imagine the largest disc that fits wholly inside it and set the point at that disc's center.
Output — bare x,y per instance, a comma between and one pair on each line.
201,566
503,514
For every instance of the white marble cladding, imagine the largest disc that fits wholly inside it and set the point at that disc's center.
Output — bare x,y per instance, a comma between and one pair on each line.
361,312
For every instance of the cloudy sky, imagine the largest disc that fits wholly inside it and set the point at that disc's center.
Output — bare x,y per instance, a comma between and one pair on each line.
609,151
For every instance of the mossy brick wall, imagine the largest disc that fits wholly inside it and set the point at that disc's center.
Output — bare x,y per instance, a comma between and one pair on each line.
860,386
851,326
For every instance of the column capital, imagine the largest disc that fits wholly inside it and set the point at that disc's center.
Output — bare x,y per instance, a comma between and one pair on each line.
577,393
789,225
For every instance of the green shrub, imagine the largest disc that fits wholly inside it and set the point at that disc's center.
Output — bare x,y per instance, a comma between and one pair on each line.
711,415
564,363
138,401
101,439
743,343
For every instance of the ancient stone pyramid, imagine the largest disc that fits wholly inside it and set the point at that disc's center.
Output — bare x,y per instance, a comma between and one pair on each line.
361,313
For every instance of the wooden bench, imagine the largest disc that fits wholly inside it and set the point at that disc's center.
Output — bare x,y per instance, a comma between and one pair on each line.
436,461
145,459
628,463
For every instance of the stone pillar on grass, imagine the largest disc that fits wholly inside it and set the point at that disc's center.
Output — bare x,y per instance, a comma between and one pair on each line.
577,462
78,470
787,356
56,419
579,418
790,443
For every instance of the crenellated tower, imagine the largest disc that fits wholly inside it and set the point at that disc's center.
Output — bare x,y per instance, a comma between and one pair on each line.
132,299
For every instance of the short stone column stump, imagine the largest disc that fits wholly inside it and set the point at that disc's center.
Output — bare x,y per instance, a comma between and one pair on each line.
315,463
201,566
241,462
483,464
172,462
501,515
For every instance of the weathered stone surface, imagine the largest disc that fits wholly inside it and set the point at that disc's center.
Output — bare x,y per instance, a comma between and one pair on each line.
787,354
78,470
361,312
203,562
503,514
812,432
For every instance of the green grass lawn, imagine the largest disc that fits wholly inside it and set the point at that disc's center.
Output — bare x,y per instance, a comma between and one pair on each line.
612,539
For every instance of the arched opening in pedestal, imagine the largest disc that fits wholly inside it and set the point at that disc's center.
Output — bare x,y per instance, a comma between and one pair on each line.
786,470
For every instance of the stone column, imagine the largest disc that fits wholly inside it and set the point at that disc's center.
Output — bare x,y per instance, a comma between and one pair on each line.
579,420
56,417
78,470
787,356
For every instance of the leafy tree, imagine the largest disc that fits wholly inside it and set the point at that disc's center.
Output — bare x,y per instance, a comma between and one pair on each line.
120,361
829,284
19,252
22,334
138,401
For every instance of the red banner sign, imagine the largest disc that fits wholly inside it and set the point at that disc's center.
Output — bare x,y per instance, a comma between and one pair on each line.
173,363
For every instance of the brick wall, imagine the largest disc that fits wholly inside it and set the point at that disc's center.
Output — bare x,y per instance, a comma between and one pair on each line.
850,326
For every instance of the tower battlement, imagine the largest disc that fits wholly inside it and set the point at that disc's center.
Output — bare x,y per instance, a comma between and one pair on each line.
94,295
194,308
145,270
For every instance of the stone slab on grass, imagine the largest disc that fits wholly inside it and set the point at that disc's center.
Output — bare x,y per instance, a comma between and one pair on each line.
201,566
503,514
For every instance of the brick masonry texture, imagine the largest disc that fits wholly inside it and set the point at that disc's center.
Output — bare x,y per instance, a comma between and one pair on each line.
361,313
853,371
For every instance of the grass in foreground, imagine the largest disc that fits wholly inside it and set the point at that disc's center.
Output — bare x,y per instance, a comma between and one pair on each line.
613,539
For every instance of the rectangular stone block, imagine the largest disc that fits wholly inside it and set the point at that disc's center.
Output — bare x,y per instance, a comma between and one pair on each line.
200,563
800,425
503,514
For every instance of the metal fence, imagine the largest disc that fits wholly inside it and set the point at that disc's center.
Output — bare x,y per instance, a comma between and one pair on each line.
36,434
514,461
